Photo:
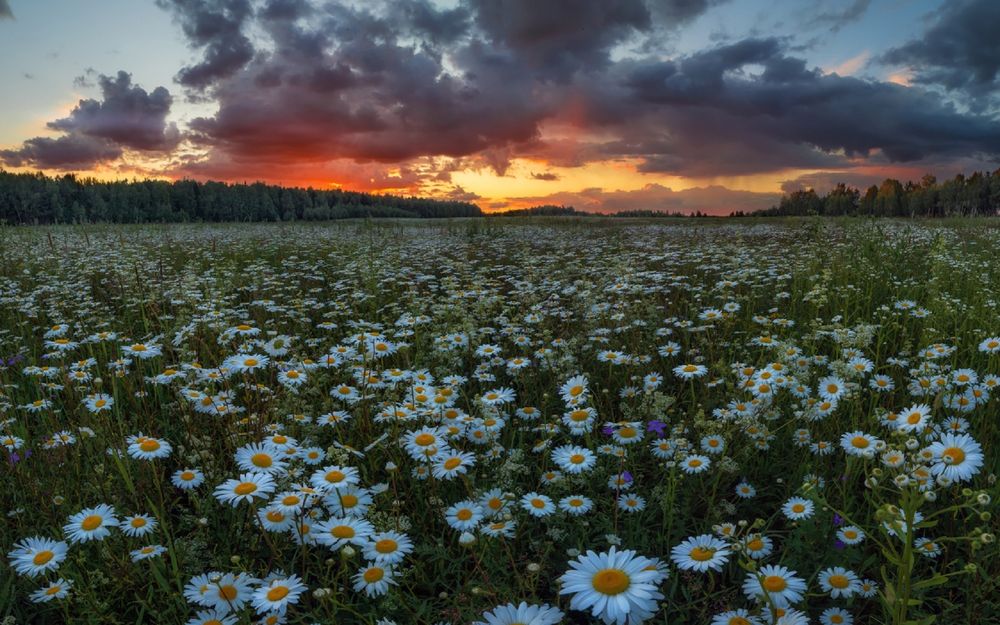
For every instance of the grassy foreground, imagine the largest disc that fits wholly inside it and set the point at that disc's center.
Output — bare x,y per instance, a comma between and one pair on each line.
421,423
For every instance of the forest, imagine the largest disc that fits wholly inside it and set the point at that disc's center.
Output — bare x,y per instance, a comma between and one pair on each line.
961,196
34,198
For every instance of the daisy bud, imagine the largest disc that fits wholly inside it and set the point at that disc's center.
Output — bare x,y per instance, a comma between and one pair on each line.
983,499
970,567
987,538
319,593
912,443
572,552
466,539
930,496
348,552
58,500
476,590
534,567
985,516
442,595
202,521
234,559
390,466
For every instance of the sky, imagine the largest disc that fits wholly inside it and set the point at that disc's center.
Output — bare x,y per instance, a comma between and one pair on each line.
605,105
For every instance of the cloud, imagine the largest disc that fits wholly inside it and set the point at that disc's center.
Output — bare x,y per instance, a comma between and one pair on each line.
5,12
788,114
959,51
97,131
835,19
712,199
216,27
547,175
66,152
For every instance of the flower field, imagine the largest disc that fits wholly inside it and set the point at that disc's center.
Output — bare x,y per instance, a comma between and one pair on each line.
502,422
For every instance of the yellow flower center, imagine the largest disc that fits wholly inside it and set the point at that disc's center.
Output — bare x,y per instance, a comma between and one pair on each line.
275,517
228,592
576,391
451,463
839,581
343,531
92,522
138,522
277,593
464,514
610,581
860,442
386,545
774,583
335,476
149,445
261,460
245,488
701,554
956,455
755,545
576,458
290,500
373,575
424,439
42,557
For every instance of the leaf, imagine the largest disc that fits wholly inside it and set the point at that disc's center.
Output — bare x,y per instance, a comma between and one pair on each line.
937,580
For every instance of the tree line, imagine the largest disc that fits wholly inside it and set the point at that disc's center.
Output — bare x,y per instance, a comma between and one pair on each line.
34,198
551,210
961,196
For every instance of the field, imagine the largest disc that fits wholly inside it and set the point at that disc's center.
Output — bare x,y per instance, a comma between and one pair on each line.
746,422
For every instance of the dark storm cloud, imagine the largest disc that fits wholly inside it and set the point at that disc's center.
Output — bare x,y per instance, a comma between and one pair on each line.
66,152
97,131
960,51
546,175
789,112
554,39
216,27
835,19
126,115
389,81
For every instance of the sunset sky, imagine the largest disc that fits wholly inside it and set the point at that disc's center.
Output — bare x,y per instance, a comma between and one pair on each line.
601,104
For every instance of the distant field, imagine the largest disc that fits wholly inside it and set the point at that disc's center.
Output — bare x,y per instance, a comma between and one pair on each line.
401,421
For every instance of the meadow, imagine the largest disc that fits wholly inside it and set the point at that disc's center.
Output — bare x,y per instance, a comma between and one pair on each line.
501,421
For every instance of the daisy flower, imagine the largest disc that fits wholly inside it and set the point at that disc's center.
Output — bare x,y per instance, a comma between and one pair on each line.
774,584
574,459
836,616
374,579
615,586
914,418
450,465
213,617
137,525
576,505
521,614
695,463
144,553
700,554
90,524
338,532
797,508
690,371
186,479
758,546
277,594
387,548
37,555
334,477
248,487
260,458
857,443
736,617
574,389
850,535
537,505
148,448
957,457
839,582
58,589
